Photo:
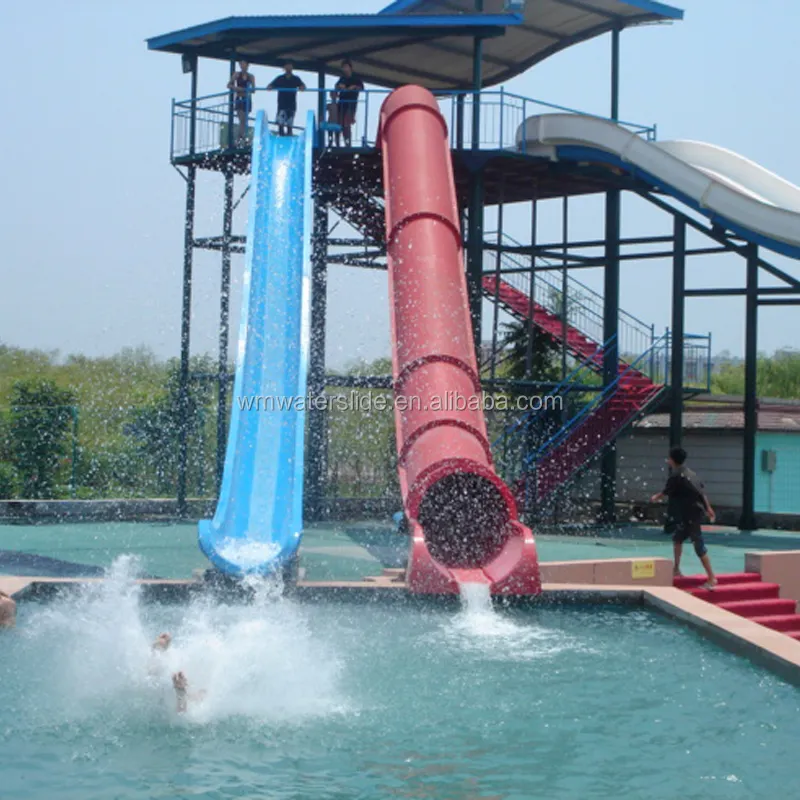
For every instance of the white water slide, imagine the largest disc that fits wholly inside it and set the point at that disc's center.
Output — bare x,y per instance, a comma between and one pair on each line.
738,194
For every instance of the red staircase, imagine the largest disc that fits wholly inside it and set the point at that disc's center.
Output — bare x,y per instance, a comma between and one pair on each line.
745,594
631,396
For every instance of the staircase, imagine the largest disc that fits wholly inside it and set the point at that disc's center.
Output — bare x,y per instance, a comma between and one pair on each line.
745,594
602,420
577,322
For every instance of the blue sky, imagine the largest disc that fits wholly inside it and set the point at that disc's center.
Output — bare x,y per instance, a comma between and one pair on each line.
92,212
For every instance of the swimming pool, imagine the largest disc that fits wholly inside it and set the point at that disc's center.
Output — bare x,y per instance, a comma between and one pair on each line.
364,701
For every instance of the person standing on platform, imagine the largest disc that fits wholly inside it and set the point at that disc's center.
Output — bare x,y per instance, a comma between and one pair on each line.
287,86
348,88
242,84
687,508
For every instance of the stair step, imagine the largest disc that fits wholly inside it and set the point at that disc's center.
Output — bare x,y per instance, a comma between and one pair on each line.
738,591
695,581
760,608
779,622
793,634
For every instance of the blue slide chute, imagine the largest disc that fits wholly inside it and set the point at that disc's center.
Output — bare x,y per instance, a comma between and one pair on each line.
259,517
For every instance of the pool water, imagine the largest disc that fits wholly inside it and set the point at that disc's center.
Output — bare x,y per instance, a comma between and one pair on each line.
366,701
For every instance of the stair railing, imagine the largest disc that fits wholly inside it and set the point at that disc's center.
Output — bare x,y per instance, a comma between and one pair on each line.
603,397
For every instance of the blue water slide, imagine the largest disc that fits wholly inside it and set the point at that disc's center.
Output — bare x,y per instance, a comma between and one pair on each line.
259,516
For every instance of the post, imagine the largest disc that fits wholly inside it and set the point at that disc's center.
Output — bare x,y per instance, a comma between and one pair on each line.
564,290
317,459
608,466
615,74
531,298
460,122
321,107
497,272
231,137
475,253
224,326
678,314
747,521
477,83
186,311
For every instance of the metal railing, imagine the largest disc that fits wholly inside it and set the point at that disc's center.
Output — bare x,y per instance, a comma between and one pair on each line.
602,398
584,306
501,115
584,312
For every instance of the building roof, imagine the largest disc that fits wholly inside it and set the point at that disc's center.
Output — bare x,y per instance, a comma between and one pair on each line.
427,42
549,26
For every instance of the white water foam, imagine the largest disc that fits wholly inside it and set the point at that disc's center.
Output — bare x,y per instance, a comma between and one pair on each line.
249,555
480,629
259,661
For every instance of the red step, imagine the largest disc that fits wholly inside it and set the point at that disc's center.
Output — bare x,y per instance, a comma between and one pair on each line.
695,581
728,593
793,634
779,622
760,608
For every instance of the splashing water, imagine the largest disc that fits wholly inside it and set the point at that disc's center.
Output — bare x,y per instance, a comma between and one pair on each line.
488,633
257,661
249,555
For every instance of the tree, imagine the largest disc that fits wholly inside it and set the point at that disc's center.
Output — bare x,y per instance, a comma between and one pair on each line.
545,357
156,428
40,417
778,376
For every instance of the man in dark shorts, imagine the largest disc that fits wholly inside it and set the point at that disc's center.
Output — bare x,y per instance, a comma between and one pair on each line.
348,88
287,86
688,506
242,84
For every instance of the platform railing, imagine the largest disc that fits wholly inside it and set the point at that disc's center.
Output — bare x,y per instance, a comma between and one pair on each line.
501,114
584,306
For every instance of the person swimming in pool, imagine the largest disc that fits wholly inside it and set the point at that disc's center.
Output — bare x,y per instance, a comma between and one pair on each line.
180,684
8,611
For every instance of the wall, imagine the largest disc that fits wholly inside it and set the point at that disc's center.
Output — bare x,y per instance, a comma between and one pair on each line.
783,497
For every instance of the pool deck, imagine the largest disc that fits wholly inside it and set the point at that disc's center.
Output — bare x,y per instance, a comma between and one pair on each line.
601,581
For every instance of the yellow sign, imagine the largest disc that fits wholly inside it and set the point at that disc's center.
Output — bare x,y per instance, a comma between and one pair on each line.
643,569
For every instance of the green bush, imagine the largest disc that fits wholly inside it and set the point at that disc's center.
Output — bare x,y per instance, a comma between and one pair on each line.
9,481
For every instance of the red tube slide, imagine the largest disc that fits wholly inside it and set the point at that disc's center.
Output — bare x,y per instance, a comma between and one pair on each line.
462,517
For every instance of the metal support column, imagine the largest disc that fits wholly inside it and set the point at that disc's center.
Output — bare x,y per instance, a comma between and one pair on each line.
477,83
677,350
321,108
475,254
531,298
186,310
460,122
497,275
615,74
747,520
529,500
224,326
564,291
608,465
231,125
317,448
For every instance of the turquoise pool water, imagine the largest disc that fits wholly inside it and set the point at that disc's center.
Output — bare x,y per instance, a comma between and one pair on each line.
352,701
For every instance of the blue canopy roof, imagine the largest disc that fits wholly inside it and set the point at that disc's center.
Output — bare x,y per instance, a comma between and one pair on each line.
428,42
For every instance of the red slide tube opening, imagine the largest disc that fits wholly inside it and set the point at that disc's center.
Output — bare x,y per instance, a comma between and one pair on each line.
463,518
